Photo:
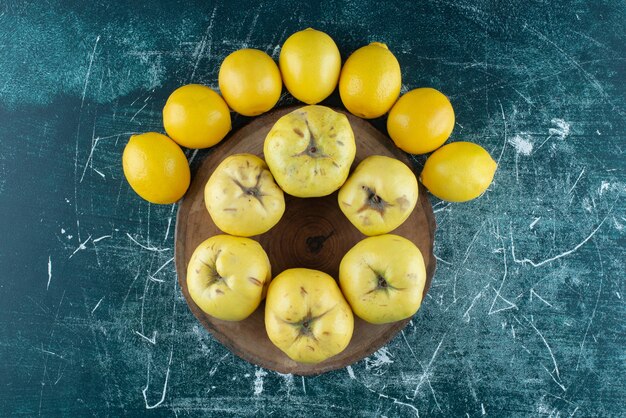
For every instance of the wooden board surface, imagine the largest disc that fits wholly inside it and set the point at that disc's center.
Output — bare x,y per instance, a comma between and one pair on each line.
313,233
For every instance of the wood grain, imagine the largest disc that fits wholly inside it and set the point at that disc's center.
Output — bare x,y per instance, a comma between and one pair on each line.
313,233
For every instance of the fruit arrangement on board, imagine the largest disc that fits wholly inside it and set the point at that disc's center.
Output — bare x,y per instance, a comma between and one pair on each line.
308,153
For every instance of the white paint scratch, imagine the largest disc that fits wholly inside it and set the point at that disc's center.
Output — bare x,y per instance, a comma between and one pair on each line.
442,260
289,384
51,353
505,134
154,279
426,371
442,208
395,400
97,305
143,301
129,289
604,186
138,112
167,377
380,358
100,173
526,98
149,248
167,231
417,412
351,372
482,408
49,272
534,222
576,182
587,75
554,379
150,340
169,222
556,257
93,53
258,381
101,238
466,314
595,307
434,395
510,305
561,128
193,156
556,367
81,246
469,247
94,144
522,145
408,345
253,26
532,292
206,40
162,266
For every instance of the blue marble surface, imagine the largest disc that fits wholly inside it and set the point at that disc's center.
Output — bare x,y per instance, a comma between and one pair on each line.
526,313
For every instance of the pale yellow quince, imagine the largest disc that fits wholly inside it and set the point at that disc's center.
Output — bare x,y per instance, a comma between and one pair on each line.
309,151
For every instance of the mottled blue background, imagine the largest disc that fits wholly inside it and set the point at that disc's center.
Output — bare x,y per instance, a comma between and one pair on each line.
526,313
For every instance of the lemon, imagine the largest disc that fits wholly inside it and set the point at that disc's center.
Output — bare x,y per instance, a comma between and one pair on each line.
196,117
458,172
310,64
156,168
250,82
421,121
370,81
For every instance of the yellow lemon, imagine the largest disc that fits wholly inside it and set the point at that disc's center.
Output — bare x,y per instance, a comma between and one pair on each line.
421,121
196,117
156,168
458,172
310,64
250,82
370,81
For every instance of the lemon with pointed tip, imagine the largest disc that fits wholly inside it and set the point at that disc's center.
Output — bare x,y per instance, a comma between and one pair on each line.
196,117
458,172
156,168
310,64
370,81
421,121
250,81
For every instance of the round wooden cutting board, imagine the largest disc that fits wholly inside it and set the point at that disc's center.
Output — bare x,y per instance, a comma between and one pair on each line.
313,233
